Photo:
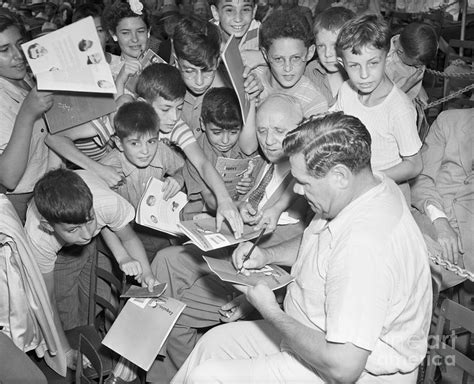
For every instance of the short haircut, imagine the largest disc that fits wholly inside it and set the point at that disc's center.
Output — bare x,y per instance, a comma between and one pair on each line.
120,10
198,42
220,106
8,19
332,19
419,42
61,196
86,10
216,3
160,80
280,25
363,31
136,117
330,139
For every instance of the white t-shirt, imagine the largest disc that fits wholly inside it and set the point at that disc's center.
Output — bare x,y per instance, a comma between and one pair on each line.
111,211
391,124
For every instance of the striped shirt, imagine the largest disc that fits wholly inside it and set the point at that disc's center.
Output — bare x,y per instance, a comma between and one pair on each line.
181,135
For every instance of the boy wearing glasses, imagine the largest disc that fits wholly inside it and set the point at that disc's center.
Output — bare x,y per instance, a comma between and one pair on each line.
287,45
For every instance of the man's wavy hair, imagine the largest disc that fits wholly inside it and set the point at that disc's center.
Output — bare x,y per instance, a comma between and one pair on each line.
328,140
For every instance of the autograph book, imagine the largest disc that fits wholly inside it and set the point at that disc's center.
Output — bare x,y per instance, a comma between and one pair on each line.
275,276
156,213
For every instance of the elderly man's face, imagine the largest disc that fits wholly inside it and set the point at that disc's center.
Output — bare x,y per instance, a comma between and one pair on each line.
320,193
275,118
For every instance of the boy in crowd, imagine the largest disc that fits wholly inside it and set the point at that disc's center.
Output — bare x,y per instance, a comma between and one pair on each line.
287,44
325,72
237,17
161,85
140,155
70,209
369,95
410,52
222,125
196,44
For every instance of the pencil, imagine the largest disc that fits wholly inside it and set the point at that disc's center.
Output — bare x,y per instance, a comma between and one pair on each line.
247,256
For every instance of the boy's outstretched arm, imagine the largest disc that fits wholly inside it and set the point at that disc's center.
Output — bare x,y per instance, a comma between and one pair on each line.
63,144
410,167
129,252
226,208
248,136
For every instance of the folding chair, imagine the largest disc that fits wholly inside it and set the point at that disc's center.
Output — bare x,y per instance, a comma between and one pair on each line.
440,351
83,375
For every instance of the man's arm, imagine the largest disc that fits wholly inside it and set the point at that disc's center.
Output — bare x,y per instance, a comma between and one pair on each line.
424,189
336,363
282,254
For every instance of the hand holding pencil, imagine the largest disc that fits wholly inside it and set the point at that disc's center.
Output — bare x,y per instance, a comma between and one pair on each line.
249,254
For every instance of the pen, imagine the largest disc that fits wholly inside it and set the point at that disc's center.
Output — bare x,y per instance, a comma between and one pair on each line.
247,256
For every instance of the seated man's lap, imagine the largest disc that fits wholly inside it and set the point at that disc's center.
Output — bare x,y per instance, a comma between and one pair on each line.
243,352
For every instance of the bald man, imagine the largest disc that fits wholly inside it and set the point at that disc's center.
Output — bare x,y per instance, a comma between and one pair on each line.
209,301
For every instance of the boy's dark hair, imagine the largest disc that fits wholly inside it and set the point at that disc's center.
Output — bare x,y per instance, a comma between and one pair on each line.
216,3
118,11
332,19
220,106
61,196
363,31
281,24
86,10
135,117
160,80
198,42
330,139
8,19
419,42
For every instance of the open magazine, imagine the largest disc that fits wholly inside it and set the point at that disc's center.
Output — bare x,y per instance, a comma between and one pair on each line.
232,170
203,233
146,58
235,68
142,327
275,276
154,212
70,59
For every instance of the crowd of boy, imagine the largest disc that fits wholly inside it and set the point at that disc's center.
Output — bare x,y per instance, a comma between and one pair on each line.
333,123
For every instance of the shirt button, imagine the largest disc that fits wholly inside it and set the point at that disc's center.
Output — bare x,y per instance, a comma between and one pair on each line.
42,129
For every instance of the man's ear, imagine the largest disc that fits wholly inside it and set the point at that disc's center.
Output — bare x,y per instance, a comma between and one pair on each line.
114,36
310,53
117,142
215,13
340,176
46,225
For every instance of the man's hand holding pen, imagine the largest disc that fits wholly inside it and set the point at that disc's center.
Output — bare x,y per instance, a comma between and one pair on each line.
258,258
